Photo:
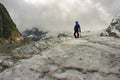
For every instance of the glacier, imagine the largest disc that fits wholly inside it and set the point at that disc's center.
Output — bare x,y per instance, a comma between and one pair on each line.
90,57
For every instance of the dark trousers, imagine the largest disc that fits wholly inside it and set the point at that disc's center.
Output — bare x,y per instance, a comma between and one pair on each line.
76,33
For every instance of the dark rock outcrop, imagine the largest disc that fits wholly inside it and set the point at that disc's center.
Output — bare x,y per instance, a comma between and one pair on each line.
8,29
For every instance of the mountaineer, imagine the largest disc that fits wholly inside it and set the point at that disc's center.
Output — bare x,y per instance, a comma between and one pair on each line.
77,29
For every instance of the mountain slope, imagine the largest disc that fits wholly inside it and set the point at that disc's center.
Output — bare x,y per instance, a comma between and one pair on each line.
88,58
8,29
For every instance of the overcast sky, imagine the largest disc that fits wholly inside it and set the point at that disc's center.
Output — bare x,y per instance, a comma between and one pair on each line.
60,15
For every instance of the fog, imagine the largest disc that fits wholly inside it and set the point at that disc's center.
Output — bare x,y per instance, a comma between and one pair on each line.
60,15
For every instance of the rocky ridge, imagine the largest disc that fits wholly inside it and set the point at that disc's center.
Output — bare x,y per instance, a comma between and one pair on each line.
114,28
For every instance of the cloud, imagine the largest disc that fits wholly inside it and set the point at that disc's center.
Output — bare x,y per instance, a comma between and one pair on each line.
60,15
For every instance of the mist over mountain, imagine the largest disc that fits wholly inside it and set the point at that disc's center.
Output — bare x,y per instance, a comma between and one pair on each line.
58,16
34,34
